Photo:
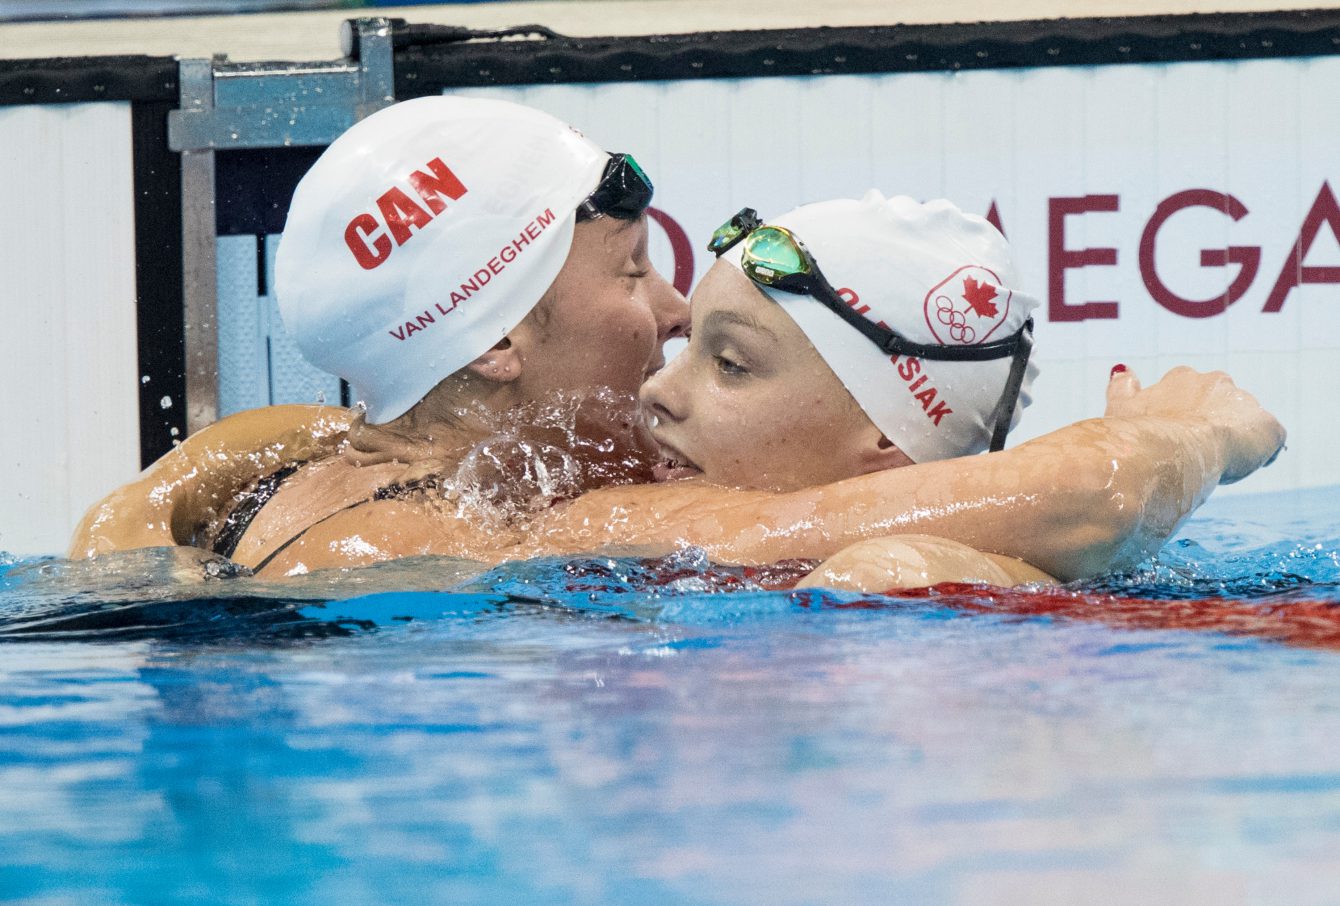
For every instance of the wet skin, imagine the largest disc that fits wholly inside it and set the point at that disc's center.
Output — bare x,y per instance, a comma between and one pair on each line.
751,404
602,326
608,318
1100,494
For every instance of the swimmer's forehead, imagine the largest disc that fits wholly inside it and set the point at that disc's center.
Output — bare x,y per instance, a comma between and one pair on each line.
624,237
720,319
727,298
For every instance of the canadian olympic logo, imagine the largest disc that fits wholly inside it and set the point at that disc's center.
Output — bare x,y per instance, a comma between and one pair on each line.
966,307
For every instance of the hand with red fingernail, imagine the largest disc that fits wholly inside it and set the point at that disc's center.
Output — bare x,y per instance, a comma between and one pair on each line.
1232,425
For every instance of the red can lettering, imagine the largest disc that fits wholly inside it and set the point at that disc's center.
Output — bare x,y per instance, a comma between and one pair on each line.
400,215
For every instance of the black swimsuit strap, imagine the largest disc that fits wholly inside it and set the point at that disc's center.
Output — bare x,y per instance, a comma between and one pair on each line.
390,492
237,522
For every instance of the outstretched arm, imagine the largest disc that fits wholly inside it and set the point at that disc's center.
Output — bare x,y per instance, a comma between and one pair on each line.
1091,497
177,494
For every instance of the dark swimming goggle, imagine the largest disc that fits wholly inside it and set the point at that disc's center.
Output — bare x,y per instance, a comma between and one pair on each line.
624,191
774,257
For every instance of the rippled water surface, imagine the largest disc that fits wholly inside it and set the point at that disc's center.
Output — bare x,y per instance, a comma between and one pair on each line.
657,732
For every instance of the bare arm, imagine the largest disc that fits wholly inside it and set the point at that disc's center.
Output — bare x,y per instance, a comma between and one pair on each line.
175,495
1099,494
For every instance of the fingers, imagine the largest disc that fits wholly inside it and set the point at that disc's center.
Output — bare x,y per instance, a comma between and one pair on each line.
1122,386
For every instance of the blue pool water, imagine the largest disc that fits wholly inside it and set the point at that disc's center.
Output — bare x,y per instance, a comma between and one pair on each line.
650,732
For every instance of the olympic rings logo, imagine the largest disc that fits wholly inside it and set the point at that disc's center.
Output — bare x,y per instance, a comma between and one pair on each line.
967,307
957,321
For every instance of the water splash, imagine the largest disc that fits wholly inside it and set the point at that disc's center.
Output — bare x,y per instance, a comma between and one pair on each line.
527,458
547,450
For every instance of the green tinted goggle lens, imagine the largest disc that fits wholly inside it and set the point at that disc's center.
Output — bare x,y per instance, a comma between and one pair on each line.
733,230
636,168
725,236
771,254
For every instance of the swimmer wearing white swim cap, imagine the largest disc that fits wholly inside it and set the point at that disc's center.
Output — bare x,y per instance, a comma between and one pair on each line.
478,272
845,337
428,231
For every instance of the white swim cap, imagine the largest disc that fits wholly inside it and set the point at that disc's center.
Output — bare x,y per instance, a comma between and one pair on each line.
423,235
933,274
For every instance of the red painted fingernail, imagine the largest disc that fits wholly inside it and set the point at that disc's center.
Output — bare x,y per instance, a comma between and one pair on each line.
1117,369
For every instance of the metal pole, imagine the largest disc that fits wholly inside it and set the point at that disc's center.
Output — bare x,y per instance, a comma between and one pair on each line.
200,289
199,251
226,106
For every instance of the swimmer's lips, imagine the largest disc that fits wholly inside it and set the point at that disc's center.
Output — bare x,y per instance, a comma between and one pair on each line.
674,465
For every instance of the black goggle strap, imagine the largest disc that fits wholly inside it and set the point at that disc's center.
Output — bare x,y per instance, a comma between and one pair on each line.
822,292
1004,412
895,344
624,191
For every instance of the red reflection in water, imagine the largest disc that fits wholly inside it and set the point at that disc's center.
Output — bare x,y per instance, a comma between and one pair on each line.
1306,623
1285,617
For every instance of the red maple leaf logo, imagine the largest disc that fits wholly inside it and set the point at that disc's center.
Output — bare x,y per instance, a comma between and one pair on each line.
979,296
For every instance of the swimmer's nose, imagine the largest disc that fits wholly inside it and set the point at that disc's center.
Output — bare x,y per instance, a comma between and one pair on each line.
671,310
660,393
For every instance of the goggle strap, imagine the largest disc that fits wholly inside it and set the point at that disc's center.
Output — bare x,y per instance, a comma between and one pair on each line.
869,329
893,344
986,352
815,285
1004,412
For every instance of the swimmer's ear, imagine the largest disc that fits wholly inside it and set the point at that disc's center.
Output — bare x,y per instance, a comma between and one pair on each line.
502,363
879,453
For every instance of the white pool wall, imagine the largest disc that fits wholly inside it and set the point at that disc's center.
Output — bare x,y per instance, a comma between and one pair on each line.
68,374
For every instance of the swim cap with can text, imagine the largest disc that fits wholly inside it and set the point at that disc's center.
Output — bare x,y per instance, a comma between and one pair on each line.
423,235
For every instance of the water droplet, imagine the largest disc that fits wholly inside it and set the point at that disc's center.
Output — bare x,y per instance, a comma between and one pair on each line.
166,402
144,379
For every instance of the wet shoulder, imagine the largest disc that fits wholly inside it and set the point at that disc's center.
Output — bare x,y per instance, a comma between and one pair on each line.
389,529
